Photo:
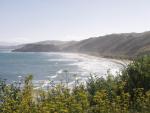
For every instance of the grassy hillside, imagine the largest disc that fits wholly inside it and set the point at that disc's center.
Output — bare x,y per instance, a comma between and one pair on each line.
114,45
125,45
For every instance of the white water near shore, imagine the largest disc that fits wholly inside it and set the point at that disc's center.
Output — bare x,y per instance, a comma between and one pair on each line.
89,65
49,68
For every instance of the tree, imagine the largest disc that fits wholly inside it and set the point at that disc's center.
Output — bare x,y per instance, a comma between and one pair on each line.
137,74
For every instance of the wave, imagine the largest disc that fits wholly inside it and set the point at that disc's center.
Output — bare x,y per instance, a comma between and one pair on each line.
62,60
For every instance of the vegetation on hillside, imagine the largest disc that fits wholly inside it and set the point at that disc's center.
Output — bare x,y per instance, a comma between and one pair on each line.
128,46
129,92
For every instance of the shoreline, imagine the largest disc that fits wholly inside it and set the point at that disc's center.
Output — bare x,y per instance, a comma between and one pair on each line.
122,61
87,63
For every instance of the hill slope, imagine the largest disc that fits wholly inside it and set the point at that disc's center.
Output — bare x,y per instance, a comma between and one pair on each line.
123,45
45,46
114,45
38,48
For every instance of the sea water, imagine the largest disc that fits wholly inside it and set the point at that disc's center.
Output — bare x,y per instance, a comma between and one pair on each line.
55,67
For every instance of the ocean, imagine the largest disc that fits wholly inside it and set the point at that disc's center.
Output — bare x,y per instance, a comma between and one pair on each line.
45,67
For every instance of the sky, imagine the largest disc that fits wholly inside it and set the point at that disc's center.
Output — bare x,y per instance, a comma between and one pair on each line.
24,21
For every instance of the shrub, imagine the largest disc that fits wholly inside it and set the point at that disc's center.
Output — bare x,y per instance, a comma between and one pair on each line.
126,93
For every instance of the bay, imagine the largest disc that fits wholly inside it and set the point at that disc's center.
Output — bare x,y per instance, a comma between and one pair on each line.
54,66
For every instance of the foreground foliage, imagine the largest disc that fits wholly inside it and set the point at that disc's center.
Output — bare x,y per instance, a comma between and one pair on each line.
128,92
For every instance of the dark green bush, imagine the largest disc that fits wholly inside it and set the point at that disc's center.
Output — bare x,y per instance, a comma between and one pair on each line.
137,74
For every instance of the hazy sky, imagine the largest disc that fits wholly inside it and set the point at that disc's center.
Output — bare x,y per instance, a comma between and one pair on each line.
35,20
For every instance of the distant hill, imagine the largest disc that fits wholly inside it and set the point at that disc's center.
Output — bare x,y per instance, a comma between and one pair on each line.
45,46
38,48
53,42
9,46
122,45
